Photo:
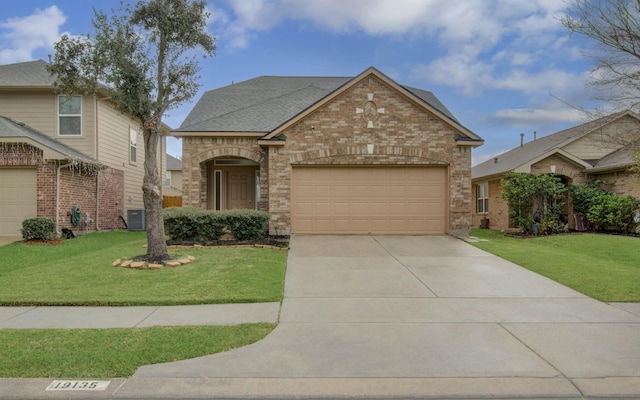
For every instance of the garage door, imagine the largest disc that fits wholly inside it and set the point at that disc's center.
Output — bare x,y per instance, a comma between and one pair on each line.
363,200
17,199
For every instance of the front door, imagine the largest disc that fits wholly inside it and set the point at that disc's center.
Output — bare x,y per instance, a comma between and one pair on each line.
241,189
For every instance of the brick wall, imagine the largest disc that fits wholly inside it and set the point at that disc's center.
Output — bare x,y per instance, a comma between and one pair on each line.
79,190
622,182
110,199
339,134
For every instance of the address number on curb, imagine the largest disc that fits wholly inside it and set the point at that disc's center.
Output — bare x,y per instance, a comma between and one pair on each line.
78,385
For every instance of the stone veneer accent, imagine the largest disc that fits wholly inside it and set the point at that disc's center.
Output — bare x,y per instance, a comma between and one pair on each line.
338,134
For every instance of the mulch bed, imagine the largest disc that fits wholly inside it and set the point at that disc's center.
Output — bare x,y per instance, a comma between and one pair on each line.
276,241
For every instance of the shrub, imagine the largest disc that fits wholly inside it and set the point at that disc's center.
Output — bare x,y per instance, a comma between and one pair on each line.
614,212
196,224
247,224
39,229
192,223
535,199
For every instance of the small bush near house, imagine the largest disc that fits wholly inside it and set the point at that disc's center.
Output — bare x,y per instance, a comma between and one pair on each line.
535,200
196,224
192,223
605,210
39,229
247,224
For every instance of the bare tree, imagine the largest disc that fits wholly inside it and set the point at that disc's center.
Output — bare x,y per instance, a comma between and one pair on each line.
614,27
145,58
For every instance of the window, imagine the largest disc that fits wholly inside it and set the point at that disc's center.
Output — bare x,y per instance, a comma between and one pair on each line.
218,190
70,115
167,181
482,195
133,145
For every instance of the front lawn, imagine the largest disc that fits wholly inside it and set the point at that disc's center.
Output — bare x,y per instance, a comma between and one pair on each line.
79,272
605,267
113,353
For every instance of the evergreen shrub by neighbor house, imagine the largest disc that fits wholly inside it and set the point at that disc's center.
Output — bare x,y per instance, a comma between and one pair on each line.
196,224
39,228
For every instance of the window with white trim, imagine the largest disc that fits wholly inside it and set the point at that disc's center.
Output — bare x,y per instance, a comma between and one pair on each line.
70,115
482,198
133,145
167,181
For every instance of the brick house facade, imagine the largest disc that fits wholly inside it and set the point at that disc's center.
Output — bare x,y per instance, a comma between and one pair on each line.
602,150
365,124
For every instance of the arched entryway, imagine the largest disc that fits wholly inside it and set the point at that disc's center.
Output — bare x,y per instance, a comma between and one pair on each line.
233,183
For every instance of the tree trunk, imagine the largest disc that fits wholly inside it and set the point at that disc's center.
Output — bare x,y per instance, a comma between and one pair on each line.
152,196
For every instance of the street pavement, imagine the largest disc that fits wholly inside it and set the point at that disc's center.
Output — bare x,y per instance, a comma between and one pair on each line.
389,317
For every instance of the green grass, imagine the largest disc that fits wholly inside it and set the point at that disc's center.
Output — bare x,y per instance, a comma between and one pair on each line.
112,353
79,272
605,267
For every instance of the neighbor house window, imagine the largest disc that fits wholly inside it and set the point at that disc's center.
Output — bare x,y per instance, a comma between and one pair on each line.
133,145
482,195
167,181
70,115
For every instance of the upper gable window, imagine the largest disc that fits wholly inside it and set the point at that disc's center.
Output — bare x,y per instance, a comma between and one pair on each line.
70,115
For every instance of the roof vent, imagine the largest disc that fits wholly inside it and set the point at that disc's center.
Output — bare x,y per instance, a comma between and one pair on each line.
495,160
521,139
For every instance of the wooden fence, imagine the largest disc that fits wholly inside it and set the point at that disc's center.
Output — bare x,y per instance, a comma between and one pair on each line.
171,201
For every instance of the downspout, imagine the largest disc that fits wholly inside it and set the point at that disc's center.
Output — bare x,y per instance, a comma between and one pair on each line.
95,115
58,197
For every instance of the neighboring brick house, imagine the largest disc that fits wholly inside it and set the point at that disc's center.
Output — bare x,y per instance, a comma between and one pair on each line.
57,153
330,155
601,149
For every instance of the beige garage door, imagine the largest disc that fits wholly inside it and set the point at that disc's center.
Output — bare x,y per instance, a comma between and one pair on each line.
17,199
363,200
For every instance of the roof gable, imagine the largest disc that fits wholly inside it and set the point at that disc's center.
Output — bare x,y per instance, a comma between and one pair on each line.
420,98
267,105
14,131
521,157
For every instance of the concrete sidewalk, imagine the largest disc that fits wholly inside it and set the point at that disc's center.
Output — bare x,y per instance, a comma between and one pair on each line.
406,317
136,317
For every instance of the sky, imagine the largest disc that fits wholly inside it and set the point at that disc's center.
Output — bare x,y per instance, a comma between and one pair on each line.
502,67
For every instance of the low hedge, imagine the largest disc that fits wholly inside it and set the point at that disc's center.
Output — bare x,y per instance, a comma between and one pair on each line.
194,224
39,228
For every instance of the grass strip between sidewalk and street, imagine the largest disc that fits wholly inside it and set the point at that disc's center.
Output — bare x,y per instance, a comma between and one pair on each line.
113,353
78,272
605,267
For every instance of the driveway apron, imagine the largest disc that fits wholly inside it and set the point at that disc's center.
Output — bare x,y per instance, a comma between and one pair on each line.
430,307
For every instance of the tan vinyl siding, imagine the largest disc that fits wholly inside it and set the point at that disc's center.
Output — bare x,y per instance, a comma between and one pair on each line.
39,110
601,142
114,151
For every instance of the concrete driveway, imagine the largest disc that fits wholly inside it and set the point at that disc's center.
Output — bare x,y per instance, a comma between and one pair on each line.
426,316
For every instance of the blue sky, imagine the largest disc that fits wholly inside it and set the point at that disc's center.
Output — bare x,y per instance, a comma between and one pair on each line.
501,66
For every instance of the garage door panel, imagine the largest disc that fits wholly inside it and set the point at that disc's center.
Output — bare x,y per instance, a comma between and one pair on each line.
18,198
395,200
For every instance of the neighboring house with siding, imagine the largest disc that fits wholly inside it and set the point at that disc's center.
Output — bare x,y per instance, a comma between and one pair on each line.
172,184
601,149
58,152
330,155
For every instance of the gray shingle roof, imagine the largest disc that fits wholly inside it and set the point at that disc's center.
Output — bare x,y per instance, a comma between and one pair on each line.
263,104
12,129
173,163
526,153
31,73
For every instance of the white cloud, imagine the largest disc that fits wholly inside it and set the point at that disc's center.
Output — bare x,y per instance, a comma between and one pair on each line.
527,117
20,37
